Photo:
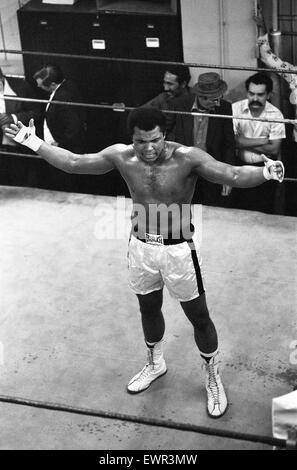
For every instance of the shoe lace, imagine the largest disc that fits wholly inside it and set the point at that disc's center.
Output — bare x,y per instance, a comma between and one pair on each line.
147,368
212,383
150,358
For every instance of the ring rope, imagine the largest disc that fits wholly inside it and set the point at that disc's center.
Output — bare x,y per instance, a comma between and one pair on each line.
144,61
19,154
119,416
33,155
121,107
147,421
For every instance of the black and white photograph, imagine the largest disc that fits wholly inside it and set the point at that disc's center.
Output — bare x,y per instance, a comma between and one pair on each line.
148,237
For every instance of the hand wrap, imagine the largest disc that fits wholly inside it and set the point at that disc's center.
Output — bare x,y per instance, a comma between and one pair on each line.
26,136
270,171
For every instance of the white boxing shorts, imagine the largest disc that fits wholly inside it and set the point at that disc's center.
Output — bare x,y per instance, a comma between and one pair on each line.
177,266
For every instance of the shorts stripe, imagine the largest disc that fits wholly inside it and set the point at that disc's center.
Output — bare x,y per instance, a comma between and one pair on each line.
201,289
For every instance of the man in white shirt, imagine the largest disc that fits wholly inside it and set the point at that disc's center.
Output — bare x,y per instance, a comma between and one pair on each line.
254,138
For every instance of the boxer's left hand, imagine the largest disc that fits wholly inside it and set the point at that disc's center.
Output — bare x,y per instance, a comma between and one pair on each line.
273,170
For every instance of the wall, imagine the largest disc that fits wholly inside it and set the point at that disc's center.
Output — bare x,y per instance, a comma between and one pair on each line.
220,32
214,32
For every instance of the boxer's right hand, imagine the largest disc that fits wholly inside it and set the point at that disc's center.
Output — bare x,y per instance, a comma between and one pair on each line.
24,135
18,132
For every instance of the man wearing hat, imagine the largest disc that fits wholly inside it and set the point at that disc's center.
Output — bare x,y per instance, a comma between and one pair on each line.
214,135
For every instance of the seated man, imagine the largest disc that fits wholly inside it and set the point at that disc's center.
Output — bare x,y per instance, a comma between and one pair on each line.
176,84
214,135
254,138
63,125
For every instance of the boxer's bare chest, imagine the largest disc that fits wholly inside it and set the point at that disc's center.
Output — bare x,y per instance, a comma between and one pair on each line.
163,182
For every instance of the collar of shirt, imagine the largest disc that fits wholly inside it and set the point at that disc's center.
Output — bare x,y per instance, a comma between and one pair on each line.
196,109
53,94
7,90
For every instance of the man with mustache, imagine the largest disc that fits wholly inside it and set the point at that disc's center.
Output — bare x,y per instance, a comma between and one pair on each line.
254,138
175,83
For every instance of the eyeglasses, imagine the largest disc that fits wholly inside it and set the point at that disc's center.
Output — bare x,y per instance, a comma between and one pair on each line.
210,100
215,100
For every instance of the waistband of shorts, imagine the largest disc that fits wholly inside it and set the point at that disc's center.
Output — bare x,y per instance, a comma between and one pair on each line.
169,239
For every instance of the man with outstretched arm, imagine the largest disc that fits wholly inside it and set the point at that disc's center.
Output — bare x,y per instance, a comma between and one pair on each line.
161,177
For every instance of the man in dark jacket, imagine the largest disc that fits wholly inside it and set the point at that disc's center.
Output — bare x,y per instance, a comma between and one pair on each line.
214,135
64,125
176,85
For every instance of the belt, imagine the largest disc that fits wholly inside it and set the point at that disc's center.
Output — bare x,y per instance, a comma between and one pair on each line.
158,239
166,241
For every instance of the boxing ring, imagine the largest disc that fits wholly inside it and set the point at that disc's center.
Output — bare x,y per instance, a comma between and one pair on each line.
71,334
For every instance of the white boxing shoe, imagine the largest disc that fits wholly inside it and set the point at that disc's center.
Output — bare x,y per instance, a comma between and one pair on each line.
217,403
155,368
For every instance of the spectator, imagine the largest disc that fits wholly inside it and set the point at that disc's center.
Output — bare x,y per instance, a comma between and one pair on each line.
254,138
64,125
214,135
175,83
